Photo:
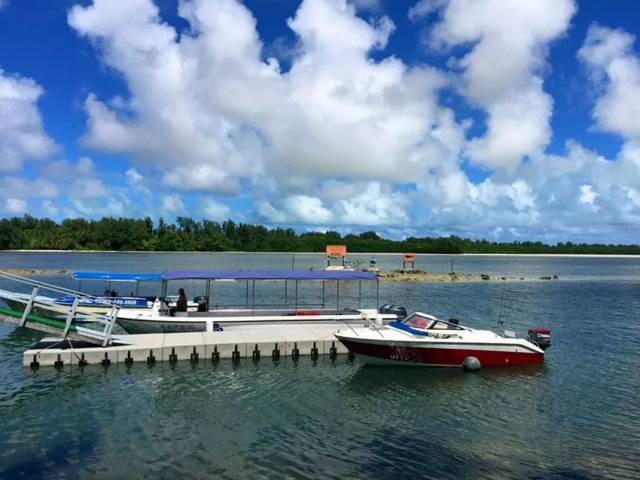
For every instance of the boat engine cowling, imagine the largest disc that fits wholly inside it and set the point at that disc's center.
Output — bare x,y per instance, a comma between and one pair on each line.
540,337
397,310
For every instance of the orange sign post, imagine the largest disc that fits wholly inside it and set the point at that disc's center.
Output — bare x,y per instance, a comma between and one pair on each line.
409,259
336,252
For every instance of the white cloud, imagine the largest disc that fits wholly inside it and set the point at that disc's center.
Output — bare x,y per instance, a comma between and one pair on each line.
208,111
19,187
133,177
587,195
634,196
215,210
521,195
22,136
199,177
296,209
306,209
15,206
89,188
93,207
502,71
353,204
371,5
342,139
424,8
82,179
172,203
609,55
49,208
374,206
269,213
115,207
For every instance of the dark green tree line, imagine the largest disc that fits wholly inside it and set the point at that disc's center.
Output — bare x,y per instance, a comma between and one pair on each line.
186,234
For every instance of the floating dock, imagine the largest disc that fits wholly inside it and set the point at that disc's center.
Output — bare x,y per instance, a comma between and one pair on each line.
74,344
260,342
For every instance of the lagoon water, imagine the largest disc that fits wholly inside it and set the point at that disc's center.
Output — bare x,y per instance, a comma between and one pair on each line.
577,416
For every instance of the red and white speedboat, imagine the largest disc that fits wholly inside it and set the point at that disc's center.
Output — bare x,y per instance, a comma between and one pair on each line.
423,339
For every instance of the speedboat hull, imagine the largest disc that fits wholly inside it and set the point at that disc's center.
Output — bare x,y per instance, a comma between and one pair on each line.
423,339
440,355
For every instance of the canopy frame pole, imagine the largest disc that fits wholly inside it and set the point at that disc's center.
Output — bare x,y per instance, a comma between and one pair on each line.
208,292
337,296
246,294
359,293
377,294
163,289
323,296
286,295
253,296
296,303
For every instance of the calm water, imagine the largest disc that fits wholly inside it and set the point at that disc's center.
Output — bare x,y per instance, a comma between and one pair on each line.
578,416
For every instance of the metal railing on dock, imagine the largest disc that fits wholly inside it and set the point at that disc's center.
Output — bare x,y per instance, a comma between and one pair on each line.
64,317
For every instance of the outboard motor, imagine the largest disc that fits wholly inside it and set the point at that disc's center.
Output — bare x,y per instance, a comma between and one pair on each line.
540,337
202,303
397,310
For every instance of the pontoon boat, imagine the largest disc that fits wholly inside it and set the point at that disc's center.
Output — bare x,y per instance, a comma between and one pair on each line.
296,308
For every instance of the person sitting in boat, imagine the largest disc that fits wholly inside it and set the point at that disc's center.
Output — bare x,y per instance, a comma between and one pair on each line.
181,304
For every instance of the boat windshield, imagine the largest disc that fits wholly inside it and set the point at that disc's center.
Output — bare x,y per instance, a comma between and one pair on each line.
422,322
427,322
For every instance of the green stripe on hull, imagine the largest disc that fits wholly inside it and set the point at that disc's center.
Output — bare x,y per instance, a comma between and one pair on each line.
50,322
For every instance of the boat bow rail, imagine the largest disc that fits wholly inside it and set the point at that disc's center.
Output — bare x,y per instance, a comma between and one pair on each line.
67,327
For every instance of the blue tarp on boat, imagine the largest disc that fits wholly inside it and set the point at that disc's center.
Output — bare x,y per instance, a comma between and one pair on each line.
118,276
268,275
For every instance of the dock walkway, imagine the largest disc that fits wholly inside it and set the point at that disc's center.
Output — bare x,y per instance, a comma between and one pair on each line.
256,343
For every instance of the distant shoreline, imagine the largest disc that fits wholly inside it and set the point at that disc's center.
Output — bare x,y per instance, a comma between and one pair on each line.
174,252
394,276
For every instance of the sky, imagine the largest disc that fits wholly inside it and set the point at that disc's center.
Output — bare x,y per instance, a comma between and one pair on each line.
498,119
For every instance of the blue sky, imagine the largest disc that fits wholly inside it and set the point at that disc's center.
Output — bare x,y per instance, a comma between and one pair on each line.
499,119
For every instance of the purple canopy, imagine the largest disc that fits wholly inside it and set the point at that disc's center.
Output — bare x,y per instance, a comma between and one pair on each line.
267,275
